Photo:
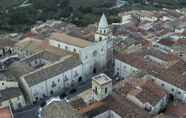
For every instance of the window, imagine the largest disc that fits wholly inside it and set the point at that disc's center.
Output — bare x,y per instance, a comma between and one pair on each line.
19,105
162,84
44,95
86,57
37,98
94,71
3,83
80,79
179,92
72,84
58,80
109,37
53,84
51,92
74,50
100,38
76,74
63,95
35,61
172,90
72,91
96,90
106,90
66,48
59,46
65,78
43,103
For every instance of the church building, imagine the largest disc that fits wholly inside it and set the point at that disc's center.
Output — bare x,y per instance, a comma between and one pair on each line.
66,62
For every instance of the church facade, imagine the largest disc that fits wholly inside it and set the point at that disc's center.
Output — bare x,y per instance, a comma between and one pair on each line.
93,55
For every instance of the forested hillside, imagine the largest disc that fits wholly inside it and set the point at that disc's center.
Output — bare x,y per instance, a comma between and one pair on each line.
20,15
156,4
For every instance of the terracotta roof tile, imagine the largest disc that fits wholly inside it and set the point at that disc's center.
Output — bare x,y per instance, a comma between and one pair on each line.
5,113
172,74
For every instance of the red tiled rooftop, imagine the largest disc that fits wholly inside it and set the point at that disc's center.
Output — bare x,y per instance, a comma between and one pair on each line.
122,106
162,32
172,74
137,60
29,34
177,111
181,42
184,33
8,43
149,85
5,113
166,42
149,92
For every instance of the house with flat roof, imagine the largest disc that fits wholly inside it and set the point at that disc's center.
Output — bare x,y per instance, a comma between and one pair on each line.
101,86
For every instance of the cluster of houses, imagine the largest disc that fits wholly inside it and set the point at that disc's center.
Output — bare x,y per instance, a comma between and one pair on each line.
133,74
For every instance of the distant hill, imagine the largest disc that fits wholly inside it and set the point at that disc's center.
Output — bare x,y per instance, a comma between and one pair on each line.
19,15
10,3
90,3
159,3
73,3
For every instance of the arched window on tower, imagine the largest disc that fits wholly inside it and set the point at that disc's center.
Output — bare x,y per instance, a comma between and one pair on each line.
100,38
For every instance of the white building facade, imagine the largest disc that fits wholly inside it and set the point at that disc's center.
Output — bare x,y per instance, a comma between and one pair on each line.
123,70
54,84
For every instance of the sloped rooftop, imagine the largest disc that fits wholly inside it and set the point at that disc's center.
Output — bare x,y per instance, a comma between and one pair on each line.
51,70
65,38
60,109
172,73
9,93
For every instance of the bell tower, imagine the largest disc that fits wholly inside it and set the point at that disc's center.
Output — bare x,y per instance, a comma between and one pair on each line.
103,31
